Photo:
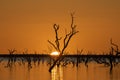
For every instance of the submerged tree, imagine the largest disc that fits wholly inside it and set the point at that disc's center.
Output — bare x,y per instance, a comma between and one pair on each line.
66,40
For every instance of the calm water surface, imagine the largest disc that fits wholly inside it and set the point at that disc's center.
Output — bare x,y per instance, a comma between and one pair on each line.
94,71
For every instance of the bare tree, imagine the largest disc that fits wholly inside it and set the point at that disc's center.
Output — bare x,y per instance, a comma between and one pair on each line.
66,40
116,49
12,51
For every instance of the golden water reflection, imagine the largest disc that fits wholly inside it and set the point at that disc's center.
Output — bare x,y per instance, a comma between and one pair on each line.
40,72
57,73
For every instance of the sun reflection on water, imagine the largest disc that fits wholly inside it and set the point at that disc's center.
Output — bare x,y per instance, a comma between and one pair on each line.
57,73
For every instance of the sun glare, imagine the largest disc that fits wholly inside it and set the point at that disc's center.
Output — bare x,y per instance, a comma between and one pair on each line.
55,53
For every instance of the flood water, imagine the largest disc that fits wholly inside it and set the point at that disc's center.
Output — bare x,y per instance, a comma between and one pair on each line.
94,71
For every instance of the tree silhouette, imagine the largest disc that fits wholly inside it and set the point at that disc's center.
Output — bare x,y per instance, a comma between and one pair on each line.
116,49
66,40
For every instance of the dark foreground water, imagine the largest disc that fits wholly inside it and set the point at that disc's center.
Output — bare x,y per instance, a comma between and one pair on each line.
94,71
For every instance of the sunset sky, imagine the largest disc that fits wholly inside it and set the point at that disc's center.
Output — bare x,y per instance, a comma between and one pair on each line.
27,24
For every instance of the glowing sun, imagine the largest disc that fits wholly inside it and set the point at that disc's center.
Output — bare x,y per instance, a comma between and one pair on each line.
55,53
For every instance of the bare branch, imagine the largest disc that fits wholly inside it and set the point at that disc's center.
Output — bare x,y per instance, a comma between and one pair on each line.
52,44
114,45
79,52
57,46
25,51
66,37
72,22
70,34
11,51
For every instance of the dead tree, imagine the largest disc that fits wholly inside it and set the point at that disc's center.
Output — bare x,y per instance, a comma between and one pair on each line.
116,49
11,58
11,51
66,41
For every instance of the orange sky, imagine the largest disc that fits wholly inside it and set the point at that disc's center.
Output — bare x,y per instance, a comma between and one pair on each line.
27,24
